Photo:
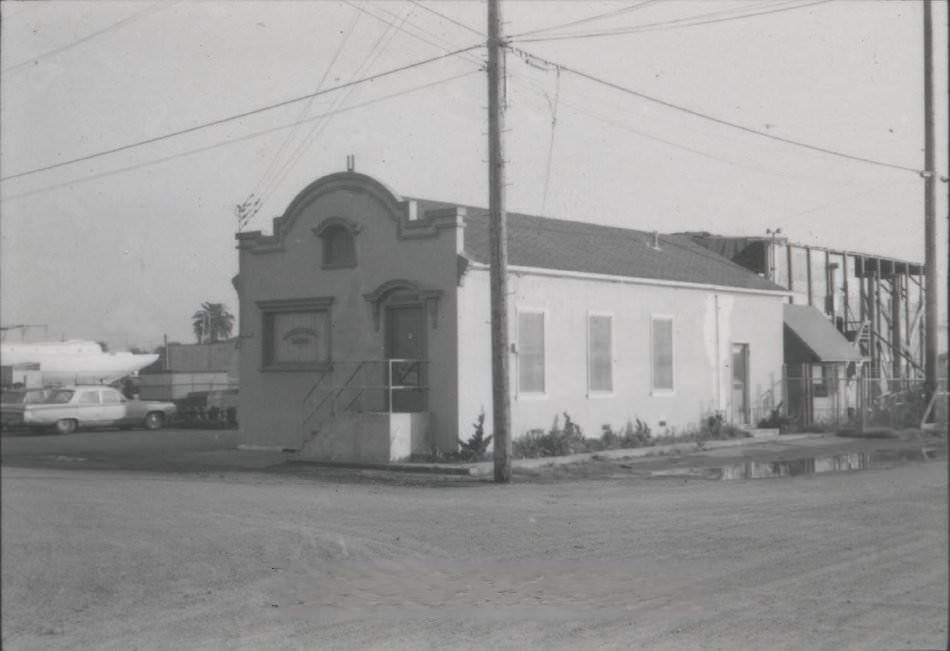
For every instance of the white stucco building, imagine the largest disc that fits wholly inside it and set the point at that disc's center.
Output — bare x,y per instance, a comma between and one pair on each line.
607,324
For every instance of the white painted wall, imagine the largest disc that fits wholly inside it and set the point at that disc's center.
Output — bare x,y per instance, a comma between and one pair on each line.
703,336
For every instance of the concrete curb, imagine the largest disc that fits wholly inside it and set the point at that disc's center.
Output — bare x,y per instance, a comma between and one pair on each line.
486,468
425,468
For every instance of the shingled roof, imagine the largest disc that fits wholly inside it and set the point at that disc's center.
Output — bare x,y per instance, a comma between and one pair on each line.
558,244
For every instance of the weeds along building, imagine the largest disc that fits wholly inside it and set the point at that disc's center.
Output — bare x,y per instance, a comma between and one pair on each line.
365,326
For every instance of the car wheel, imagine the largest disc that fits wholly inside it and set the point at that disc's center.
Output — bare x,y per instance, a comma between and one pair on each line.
154,420
66,426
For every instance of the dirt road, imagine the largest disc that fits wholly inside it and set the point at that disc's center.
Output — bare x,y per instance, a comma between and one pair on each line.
123,560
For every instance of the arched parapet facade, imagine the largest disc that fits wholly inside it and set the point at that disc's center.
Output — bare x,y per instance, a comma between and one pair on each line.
405,290
404,212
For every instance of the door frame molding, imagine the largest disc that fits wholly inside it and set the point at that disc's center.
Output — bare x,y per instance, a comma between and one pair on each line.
429,298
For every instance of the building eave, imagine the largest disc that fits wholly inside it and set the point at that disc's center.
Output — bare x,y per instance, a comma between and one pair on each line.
632,280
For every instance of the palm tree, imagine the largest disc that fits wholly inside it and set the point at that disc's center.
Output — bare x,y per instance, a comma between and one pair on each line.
212,322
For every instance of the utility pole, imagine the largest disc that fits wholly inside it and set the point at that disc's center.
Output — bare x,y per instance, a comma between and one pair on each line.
498,235
930,211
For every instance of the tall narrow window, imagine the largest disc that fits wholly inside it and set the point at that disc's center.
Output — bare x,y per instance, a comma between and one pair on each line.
338,247
600,370
531,352
662,335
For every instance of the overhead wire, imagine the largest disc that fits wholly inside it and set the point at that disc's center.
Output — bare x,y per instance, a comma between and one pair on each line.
253,203
573,23
238,116
379,46
720,121
448,18
679,23
153,8
441,44
230,141
554,107
272,167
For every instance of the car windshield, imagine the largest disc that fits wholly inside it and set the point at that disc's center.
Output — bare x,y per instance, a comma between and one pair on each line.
61,396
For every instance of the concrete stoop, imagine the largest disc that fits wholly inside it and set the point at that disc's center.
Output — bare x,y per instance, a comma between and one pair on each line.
374,438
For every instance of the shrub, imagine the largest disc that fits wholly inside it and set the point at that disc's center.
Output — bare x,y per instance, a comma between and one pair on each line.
529,446
609,438
636,434
776,420
715,427
556,442
477,444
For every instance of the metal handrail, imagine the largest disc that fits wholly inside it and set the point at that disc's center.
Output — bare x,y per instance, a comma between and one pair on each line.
333,394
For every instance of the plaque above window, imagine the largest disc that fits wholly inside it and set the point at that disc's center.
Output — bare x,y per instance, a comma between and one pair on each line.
296,334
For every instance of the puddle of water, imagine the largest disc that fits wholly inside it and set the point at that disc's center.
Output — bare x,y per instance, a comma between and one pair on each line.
848,462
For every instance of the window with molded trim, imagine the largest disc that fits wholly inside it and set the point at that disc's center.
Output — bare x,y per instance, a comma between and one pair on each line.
339,247
297,338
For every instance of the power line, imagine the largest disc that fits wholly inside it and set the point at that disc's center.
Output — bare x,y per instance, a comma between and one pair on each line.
673,24
451,20
382,42
609,14
158,6
238,116
554,107
711,118
844,199
272,167
441,46
618,125
231,141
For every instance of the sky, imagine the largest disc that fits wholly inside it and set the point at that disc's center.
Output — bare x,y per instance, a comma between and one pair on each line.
124,247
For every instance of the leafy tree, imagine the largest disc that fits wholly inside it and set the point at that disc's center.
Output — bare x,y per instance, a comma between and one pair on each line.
212,322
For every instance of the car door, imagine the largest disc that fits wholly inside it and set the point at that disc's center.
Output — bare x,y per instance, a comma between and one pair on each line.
88,411
112,407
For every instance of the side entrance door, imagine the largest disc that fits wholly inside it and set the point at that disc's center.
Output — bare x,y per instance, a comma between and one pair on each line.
405,342
740,384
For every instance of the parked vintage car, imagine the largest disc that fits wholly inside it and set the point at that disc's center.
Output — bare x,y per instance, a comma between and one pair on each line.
69,408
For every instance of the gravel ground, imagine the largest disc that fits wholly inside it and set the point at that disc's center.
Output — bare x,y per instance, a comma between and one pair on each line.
333,559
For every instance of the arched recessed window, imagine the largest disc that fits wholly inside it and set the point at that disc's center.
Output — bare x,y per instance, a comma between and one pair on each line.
339,242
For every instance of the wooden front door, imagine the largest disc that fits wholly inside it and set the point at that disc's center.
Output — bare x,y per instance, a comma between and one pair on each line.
405,342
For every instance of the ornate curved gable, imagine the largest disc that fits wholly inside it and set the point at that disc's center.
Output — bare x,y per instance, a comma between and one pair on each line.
402,211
